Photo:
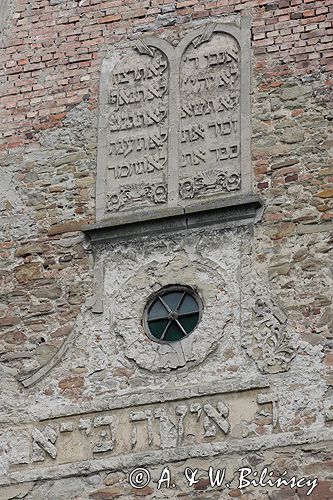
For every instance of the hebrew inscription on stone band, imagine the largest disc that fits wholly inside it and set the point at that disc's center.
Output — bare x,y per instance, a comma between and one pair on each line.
145,428
174,121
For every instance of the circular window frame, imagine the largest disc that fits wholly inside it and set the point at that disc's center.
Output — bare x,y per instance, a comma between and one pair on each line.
160,293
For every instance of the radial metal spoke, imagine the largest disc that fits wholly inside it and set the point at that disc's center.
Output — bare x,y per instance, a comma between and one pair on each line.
165,330
187,314
165,305
180,301
158,319
181,327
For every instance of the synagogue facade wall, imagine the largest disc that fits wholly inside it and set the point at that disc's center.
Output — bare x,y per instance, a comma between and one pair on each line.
86,395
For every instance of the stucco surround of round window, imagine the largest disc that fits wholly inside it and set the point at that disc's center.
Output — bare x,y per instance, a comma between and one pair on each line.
202,277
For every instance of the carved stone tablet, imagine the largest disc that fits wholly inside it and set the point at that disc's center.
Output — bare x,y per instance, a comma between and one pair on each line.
210,117
174,123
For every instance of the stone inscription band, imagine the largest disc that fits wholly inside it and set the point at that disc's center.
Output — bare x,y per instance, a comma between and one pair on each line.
230,419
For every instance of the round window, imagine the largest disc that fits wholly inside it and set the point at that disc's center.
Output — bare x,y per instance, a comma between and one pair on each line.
172,313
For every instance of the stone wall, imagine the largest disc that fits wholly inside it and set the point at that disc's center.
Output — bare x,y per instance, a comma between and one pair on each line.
61,363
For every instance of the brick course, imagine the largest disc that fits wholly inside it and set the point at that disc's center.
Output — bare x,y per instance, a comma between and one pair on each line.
67,39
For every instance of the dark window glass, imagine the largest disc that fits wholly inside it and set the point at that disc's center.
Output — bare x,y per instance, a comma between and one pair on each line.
188,305
158,310
173,299
157,327
173,333
189,322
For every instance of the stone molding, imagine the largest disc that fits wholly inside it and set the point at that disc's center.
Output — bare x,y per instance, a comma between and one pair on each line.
231,212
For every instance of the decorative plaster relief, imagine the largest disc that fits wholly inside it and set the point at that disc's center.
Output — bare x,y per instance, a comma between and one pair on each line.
130,300
272,347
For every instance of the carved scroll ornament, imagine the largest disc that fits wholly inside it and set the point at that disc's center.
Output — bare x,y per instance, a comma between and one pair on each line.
272,345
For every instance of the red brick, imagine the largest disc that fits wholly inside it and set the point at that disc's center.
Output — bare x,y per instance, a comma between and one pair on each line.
8,321
110,19
62,331
321,10
291,178
71,383
66,227
262,185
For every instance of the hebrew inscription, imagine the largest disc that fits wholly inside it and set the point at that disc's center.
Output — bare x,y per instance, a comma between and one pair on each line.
168,426
210,117
174,121
147,428
137,125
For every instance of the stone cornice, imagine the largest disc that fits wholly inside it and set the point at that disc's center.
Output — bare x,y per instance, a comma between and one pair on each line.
234,211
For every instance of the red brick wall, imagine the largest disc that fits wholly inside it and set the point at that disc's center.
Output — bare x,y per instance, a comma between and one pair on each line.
53,51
